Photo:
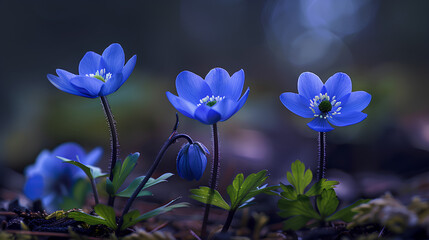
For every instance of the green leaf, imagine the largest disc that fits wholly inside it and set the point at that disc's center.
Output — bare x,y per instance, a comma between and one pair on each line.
295,223
249,198
108,214
327,202
234,188
79,195
242,191
129,218
301,206
132,218
125,169
90,171
117,168
202,194
89,219
109,187
321,185
346,214
136,182
288,192
299,178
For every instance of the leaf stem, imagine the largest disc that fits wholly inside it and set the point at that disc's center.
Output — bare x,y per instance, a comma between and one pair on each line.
213,181
114,142
94,190
172,139
228,220
321,167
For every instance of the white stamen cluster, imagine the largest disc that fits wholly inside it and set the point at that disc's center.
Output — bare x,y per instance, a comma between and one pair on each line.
101,73
315,102
213,100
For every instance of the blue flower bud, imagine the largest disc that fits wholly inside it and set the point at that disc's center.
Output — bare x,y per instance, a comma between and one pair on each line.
191,161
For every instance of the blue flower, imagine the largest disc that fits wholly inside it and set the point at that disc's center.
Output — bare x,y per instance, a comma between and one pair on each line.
50,180
332,102
191,161
98,75
214,99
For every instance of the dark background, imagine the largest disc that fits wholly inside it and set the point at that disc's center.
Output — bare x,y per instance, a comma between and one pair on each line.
381,45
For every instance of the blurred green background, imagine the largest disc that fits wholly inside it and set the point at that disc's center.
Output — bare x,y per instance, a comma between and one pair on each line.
381,45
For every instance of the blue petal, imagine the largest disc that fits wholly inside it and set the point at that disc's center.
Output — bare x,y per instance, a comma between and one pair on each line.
297,104
52,202
65,74
93,157
128,68
240,104
206,115
114,57
242,100
339,85
112,85
320,125
87,85
197,161
182,105
64,85
90,63
39,165
346,119
357,101
236,84
69,150
192,87
309,85
222,84
34,187
183,167
226,108
194,162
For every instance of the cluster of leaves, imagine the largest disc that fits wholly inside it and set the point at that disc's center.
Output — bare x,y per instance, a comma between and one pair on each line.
241,192
106,214
295,203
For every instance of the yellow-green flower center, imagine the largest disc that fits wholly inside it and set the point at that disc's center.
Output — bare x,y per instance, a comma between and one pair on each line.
101,75
324,106
210,101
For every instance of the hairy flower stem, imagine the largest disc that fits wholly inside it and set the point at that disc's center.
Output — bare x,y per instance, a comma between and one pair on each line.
321,167
213,181
228,220
114,143
94,190
172,139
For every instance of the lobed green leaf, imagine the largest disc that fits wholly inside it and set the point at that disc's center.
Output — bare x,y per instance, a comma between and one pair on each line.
132,217
301,206
295,223
109,187
299,178
128,192
346,214
108,213
202,195
89,219
321,185
248,188
288,192
121,171
90,171
327,202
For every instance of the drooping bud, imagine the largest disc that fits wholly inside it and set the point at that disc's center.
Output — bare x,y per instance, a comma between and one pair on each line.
191,161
